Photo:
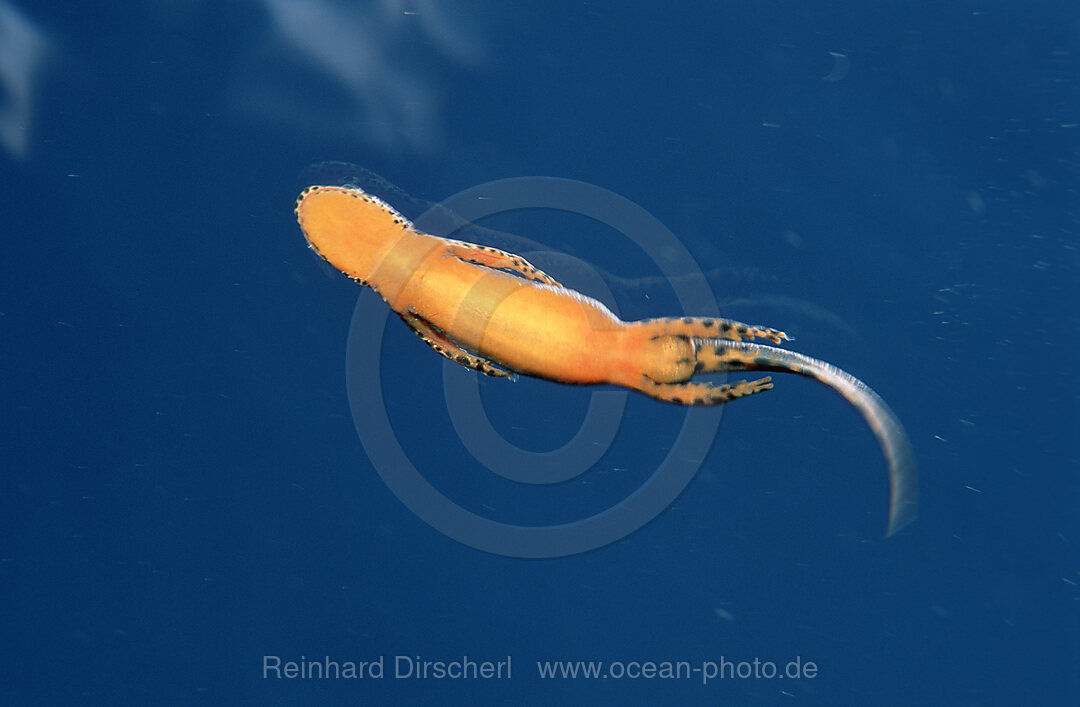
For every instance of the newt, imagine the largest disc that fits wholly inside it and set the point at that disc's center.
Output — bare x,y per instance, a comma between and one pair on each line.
494,312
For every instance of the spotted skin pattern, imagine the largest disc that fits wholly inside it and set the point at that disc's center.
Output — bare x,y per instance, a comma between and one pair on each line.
496,313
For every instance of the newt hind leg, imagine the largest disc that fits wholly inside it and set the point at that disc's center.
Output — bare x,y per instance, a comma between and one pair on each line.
666,364
712,328
702,393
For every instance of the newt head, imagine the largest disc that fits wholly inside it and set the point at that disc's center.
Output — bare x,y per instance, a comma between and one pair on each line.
349,228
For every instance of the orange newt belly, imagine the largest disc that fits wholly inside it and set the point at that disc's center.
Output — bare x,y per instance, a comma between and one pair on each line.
525,325
528,327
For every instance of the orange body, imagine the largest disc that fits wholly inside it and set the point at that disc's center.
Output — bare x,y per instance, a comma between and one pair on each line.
523,322
492,311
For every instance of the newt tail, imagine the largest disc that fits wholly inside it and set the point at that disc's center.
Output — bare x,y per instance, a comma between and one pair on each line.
715,355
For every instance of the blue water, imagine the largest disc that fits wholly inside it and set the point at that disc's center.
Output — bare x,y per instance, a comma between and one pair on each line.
185,495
